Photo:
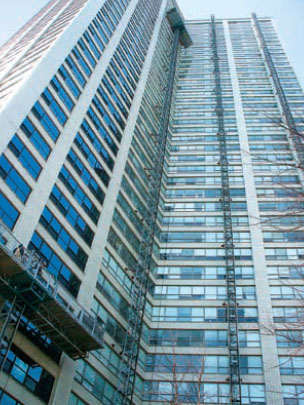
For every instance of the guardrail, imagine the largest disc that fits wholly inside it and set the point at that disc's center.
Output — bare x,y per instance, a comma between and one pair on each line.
35,266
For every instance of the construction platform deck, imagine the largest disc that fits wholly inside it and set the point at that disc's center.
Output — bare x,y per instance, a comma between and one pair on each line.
47,304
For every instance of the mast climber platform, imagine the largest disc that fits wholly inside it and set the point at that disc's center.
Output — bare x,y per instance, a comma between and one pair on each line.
33,293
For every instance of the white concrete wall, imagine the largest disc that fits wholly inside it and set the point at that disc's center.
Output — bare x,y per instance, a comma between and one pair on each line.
268,340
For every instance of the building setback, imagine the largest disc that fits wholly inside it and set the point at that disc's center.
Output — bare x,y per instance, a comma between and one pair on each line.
151,239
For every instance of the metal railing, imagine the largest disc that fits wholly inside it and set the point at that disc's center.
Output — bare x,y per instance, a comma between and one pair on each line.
30,262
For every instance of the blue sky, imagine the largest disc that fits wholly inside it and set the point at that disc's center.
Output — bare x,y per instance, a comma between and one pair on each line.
288,15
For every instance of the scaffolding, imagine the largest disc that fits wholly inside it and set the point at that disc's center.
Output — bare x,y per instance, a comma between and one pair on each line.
290,123
30,292
127,369
233,345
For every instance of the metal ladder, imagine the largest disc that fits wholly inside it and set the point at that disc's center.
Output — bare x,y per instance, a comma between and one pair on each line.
294,133
127,368
10,318
233,345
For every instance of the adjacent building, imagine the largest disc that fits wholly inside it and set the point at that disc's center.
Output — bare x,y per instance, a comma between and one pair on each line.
151,209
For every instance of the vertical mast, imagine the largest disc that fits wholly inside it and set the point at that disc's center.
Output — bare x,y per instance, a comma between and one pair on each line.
233,345
127,369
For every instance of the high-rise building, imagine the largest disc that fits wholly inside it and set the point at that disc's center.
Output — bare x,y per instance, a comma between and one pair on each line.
151,180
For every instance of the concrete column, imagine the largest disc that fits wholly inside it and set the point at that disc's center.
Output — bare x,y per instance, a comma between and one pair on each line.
64,381
268,341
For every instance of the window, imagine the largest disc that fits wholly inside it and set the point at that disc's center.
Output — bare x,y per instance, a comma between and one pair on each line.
292,365
186,338
287,293
249,339
114,267
63,238
199,292
108,358
23,369
251,364
202,207
164,391
287,314
79,195
63,95
133,197
100,128
87,376
253,394
184,364
114,97
104,25
37,140
7,399
65,207
94,140
112,327
290,339
13,179
207,237
54,106
55,265
283,236
284,272
188,314
202,254
118,87
126,231
109,122
8,212
293,394
90,157
247,315
26,158
96,38
101,32
89,57
76,72
69,81
285,254
82,62
75,400
112,296
111,107
129,211
45,121
202,193
86,176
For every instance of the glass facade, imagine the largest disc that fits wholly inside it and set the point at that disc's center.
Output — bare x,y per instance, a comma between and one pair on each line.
76,172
